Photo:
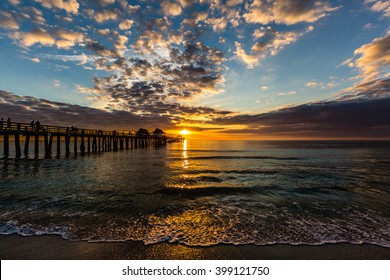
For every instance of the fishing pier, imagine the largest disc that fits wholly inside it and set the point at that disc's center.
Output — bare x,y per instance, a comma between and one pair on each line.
79,141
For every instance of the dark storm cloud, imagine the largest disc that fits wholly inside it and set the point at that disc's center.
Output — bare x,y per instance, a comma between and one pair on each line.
352,118
377,88
25,109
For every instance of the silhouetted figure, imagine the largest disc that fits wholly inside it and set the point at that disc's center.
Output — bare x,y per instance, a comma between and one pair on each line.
37,125
32,124
1,123
9,123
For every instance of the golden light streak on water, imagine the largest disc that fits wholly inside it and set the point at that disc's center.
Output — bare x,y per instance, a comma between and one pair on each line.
185,163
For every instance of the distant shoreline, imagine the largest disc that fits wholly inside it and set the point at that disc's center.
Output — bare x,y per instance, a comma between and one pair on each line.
55,248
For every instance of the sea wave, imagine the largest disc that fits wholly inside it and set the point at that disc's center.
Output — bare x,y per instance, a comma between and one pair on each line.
240,157
220,224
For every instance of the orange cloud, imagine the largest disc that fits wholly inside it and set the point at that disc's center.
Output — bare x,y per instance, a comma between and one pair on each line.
373,57
71,6
271,43
62,39
287,12
106,15
170,8
125,24
379,6
250,60
68,39
35,36
7,21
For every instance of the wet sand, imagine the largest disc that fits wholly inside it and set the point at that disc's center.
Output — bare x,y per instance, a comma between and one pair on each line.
56,248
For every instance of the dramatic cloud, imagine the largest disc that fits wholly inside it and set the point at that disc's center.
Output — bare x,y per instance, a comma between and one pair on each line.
178,59
120,43
373,57
106,15
68,39
71,6
61,38
170,8
287,11
358,112
374,89
379,6
8,21
125,24
268,42
105,2
155,64
14,2
359,116
25,108
33,15
249,60
35,36
334,119
160,83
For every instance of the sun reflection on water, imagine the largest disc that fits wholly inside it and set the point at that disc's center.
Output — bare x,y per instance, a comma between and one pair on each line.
191,227
185,163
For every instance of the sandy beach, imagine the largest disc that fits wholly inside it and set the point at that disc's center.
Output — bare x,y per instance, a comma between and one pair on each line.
56,248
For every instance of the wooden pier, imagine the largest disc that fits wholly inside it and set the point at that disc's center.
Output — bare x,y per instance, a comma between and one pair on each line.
85,141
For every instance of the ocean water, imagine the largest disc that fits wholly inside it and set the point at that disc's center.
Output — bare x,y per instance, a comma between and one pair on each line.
203,193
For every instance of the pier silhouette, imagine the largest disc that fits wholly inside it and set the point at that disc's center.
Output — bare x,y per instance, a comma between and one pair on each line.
85,141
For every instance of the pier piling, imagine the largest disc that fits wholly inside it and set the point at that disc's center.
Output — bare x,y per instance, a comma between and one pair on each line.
67,144
18,152
75,144
82,145
58,145
36,145
26,144
6,145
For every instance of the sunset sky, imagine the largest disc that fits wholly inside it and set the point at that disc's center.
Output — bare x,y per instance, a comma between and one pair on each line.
234,69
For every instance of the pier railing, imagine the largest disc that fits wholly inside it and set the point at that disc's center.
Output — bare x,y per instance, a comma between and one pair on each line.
28,127
84,140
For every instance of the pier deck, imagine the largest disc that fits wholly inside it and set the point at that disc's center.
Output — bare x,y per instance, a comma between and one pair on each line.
84,140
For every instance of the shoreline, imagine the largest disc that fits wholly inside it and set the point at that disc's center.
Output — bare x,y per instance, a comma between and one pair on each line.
53,247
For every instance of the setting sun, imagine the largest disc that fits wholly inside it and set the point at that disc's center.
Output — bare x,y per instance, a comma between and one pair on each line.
184,132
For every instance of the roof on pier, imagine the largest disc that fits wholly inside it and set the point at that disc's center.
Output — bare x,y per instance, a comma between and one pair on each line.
158,131
142,132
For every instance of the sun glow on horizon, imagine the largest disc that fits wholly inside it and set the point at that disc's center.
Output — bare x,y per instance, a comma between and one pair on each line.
184,132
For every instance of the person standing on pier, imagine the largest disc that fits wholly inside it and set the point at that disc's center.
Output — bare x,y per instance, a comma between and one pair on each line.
32,123
37,125
1,124
9,123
